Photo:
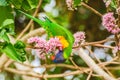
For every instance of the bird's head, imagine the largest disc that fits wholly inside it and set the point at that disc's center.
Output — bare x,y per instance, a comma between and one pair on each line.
58,58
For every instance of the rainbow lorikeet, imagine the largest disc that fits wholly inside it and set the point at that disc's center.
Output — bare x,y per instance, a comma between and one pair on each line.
55,30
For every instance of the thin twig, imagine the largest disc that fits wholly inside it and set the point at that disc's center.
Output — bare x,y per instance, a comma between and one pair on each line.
114,68
92,54
88,78
32,27
33,74
109,62
74,63
103,46
98,42
3,60
8,63
92,9
51,65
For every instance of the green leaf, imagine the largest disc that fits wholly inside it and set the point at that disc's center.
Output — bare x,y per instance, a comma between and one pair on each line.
3,3
76,2
3,35
2,44
86,1
10,51
16,3
6,19
20,48
29,4
33,4
19,45
113,4
7,22
24,4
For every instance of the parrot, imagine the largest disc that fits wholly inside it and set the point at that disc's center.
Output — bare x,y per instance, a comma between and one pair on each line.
53,29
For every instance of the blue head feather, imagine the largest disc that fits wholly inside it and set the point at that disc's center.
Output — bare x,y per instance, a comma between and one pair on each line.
59,57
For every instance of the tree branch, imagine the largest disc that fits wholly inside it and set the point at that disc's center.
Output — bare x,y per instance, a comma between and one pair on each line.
93,65
39,31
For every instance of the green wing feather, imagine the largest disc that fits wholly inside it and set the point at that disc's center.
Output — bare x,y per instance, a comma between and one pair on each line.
55,30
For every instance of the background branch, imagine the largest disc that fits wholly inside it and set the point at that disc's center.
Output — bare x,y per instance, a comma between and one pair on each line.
93,65
33,74
90,8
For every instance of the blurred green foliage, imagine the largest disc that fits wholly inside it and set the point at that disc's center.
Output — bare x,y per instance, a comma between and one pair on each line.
24,4
3,3
7,26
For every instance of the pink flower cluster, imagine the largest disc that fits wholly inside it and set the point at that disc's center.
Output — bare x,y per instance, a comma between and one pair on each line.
53,44
79,38
33,40
107,2
115,50
45,46
39,42
108,21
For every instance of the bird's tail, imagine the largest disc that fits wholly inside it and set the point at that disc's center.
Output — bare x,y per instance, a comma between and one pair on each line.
41,22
